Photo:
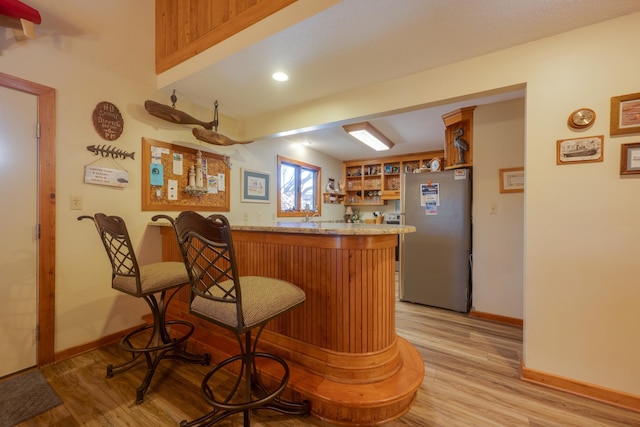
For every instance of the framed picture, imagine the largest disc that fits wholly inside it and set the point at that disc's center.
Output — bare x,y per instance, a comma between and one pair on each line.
625,114
331,185
255,186
580,150
630,159
512,180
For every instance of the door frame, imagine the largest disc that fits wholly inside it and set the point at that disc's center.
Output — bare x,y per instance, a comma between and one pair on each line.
46,213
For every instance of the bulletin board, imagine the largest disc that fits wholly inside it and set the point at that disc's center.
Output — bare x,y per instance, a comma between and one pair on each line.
165,175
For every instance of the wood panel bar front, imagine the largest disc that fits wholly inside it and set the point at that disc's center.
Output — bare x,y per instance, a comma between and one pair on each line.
341,344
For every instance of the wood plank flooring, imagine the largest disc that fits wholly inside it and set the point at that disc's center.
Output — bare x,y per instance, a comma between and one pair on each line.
471,379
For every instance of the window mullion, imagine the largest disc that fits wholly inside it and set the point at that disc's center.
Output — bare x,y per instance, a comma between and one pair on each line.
299,188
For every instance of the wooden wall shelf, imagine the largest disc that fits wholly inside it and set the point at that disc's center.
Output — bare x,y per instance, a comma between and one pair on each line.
374,181
333,198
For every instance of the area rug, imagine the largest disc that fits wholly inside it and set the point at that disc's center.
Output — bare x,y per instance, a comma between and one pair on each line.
24,397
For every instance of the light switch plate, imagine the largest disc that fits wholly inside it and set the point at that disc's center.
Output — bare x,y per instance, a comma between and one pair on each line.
75,203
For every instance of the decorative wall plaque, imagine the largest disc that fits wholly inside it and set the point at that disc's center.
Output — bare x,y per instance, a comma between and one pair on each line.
108,121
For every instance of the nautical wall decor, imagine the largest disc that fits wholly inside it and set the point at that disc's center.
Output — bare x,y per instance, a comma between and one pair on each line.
580,150
461,144
109,151
210,132
109,176
172,115
215,138
195,185
108,121
106,171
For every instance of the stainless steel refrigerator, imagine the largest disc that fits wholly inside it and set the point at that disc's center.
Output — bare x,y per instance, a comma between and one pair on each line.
435,261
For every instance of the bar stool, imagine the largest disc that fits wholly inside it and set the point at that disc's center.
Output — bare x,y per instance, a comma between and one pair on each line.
157,284
238,304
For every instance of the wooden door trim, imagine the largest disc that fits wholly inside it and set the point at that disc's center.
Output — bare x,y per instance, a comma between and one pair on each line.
46,212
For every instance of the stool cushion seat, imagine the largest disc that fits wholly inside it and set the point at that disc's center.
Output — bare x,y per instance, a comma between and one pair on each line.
263,298
154,278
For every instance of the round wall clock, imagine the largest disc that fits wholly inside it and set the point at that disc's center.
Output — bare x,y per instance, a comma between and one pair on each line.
435,164
581,118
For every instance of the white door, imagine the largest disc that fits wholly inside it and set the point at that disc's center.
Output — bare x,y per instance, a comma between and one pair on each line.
18,218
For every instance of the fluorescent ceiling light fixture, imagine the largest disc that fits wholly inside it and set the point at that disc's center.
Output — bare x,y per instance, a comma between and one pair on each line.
280,76
366,133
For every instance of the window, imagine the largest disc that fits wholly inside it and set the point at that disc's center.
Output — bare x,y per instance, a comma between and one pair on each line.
298,187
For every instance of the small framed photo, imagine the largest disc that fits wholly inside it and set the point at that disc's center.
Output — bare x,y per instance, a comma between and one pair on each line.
255,186
512,180
625,114
580,150
630,159
331,185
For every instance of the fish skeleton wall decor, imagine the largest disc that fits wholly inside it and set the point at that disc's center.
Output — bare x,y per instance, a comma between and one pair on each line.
107,151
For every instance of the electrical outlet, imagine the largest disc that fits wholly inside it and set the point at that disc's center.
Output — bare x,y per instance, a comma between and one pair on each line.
75,203
259,217
493,209
245,218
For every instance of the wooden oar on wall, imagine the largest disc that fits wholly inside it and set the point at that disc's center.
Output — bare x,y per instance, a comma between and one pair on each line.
213,137
172,115
207,134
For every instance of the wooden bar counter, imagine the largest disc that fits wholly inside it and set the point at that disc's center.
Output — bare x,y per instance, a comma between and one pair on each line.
341,344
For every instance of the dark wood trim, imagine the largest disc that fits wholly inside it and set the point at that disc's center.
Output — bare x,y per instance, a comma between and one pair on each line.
46,211
93,345
591,391
497,318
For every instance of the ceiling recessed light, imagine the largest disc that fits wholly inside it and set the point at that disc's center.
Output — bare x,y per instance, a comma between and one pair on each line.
280,76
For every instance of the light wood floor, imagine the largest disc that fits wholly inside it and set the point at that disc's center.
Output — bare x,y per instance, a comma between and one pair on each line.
471,379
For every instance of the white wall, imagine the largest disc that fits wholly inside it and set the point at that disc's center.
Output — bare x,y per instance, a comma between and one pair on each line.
90,55
498,239
581,281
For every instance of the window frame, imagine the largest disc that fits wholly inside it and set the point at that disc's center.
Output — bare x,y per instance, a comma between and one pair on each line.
318,192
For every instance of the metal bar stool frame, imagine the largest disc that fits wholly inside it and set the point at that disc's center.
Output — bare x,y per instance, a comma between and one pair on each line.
125,273
217,293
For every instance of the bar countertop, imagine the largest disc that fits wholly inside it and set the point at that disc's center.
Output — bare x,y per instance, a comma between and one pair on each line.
328,227
321,227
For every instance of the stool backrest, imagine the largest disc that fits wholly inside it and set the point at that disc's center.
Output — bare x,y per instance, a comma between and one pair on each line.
115,238
207,249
